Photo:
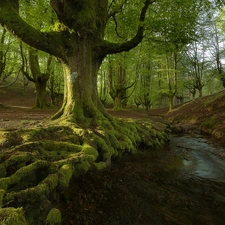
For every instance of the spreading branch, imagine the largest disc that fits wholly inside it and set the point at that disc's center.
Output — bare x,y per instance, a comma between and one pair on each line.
119,7
46,41
11,83
112,48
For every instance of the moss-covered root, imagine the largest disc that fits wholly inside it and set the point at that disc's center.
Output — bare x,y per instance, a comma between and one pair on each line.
12,216
54,217
34,173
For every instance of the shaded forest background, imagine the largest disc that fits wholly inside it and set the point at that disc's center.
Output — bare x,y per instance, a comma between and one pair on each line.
181,58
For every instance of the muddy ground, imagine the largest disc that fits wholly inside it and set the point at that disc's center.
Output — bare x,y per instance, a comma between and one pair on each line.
150,188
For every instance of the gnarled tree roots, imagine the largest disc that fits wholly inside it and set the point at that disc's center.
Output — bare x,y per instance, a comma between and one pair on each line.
38,164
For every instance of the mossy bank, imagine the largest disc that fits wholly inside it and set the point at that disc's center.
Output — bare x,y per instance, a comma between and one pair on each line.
38,164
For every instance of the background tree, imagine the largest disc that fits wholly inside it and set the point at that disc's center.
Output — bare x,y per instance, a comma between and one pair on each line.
83,26
55,83
120,80
9,59
32,72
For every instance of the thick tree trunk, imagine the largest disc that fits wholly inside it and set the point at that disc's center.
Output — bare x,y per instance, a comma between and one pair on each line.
81,100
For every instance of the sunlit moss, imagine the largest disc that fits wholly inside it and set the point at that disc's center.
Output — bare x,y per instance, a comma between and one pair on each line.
81,168
54,217
37,193
90,151
100,165
45,165
12,216
65,173
19,159
28,170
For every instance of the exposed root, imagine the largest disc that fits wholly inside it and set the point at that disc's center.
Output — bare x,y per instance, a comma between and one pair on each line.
37,168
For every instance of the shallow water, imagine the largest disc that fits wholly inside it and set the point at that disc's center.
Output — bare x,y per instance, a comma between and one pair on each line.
197,176
182,184
197,156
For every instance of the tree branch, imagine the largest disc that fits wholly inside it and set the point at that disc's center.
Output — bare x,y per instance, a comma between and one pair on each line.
46,41
7,85
112,48
117,9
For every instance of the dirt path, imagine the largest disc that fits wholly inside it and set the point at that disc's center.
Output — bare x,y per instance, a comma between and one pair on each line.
12,118
21,117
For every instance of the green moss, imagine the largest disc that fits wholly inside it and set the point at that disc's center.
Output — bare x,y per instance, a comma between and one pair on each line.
4,182
28,170
106,151
45,165
82,167
60,147
65,173
113,140
14,138
100,165
210,124
18,159
2,193
12,216
91,152
37,193
59,27
2,171
54,217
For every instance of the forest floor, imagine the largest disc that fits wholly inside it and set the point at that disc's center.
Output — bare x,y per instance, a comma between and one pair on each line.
144,189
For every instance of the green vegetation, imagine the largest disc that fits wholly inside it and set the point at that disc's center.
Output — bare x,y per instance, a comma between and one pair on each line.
36,169
91,41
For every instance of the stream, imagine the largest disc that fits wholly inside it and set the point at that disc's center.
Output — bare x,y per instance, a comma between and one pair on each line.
181,184
198,157
194,182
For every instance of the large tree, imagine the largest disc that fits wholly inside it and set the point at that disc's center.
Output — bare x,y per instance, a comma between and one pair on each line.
44,167
79,44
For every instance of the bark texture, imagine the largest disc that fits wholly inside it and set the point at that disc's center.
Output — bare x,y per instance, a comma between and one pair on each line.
80,46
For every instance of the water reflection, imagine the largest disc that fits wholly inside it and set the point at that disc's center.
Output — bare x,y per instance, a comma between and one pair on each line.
195,155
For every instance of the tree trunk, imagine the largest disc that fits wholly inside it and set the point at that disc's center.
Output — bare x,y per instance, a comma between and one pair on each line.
118,102
38,78
2,53
40,93
81,100
171,102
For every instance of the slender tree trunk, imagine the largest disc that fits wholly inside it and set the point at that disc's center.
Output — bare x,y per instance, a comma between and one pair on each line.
38,78
40,94
2,54
170,94
118,101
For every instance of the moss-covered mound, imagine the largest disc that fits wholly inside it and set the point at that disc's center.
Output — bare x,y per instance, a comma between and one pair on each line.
38,164
206,113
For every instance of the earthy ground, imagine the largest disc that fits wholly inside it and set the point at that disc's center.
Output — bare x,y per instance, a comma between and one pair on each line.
137,190
16,110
